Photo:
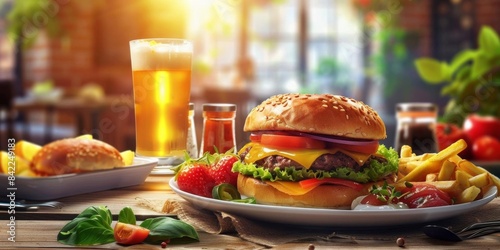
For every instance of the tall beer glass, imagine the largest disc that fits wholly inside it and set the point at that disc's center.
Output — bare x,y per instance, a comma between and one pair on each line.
161,71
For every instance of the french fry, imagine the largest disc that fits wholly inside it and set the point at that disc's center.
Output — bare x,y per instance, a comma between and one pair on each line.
470,168
462,179
404,160
410,166
481,180
450,187
427,156
433,164
406,151
421,171
493,178
431,177
447,171
455,159
450,151
469,194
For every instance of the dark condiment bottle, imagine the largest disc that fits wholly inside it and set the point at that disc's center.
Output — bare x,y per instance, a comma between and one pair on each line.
218,128
416,127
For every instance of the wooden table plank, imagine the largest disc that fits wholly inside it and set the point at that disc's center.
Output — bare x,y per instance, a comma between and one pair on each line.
39,229
43,234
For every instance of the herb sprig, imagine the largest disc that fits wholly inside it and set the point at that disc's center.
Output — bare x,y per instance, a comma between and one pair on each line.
93,227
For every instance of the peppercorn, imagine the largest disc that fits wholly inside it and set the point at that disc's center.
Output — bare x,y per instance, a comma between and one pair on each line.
163,244
311,247
400,241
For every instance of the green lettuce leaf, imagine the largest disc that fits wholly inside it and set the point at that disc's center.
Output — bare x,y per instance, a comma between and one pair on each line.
374,172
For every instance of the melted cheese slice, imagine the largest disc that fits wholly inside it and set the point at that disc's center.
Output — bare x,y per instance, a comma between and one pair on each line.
303,157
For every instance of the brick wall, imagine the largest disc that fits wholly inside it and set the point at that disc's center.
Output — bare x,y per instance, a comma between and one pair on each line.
93,44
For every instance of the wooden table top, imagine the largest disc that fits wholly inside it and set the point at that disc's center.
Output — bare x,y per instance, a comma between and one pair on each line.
39,229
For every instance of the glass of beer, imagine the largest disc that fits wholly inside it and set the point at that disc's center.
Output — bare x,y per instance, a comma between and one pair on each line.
161,71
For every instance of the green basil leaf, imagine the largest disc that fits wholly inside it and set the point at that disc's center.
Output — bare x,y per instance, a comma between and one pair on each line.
91,232
162,228
126,215
431,70
90,227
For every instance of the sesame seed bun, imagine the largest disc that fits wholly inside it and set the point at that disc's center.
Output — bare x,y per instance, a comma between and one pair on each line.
317,113
75,155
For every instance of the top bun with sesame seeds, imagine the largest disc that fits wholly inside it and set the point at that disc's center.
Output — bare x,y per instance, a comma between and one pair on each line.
319,114
317,150
75,155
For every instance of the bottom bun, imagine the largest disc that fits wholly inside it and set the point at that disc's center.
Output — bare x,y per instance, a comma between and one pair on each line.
325,196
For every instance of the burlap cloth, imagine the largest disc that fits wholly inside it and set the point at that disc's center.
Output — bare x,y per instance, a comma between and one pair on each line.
271,234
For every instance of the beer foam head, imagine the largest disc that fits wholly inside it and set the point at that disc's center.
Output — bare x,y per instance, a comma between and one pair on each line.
157,54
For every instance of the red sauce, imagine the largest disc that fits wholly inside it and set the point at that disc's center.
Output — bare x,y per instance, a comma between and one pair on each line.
218,129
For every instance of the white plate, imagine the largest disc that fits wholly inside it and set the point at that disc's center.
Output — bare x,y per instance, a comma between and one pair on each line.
333,217
54,187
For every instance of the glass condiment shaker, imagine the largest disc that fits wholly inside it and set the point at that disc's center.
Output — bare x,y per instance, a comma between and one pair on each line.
218,128
192,143
416,127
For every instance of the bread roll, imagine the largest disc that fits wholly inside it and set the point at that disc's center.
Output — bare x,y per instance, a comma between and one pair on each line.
75,155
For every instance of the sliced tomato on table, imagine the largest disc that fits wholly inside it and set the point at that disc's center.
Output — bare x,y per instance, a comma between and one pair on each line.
290,141
128,234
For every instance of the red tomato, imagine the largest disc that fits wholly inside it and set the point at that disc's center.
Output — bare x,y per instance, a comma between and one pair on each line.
290,141
448,134
128,234
486,148
255,137
424,195
476,126
372,199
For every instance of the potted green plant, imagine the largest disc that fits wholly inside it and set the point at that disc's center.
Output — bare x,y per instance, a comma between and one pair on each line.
472,81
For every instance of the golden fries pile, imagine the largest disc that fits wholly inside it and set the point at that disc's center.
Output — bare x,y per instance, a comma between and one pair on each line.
17,162
460,178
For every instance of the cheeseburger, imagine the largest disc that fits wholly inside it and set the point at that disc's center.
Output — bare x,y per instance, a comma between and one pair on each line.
317,150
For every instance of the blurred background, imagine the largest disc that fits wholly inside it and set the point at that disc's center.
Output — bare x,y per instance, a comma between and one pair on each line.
65,64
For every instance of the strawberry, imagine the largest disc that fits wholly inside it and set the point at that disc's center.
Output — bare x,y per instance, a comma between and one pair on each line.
221,170
194,177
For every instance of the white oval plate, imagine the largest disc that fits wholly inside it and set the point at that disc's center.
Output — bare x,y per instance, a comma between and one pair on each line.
333,217
54,187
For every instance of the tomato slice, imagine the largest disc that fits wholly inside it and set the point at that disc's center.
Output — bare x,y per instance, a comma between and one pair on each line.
308,183
373,200
255,137
290,141
128,234
423,195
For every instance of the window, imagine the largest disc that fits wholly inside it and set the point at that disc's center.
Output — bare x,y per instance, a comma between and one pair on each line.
294,45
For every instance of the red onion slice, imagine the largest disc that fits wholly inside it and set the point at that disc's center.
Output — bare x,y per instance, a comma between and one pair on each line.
321,137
